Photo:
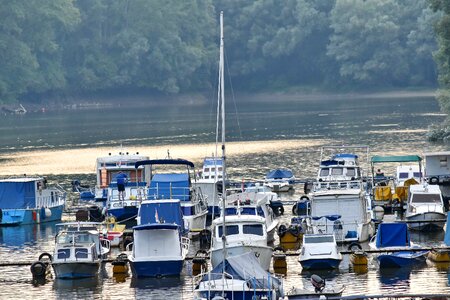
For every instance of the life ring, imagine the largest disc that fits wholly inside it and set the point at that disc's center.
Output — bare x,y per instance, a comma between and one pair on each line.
352,246
295,209
45,254
434,180
38,269
304,198
282,230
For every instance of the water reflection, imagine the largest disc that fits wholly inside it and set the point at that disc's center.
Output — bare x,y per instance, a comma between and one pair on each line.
83,288
18,236
394,276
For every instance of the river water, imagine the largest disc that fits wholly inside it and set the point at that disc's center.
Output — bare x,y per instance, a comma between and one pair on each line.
278,131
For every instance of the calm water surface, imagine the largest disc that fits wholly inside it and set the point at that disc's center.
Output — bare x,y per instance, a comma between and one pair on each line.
388,126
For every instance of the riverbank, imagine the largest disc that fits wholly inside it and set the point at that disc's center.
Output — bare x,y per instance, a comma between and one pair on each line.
99,102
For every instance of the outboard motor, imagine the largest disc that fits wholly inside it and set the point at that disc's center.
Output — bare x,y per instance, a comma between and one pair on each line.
75,185
318,283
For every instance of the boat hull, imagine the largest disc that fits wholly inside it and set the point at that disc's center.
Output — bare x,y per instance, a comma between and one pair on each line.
401,259
320,264
262,253
124,213
73,270
11,217
160,268
429,221
439,255
196,222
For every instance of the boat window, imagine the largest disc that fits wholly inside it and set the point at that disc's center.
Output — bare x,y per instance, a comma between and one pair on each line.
260,211
231,230
417,174
219,169
220,176
213,169
206,170
324,172
351,172
248,211
253,229
63,253
403,175
81,253
206,177
318,239
212,176
336,171
426,198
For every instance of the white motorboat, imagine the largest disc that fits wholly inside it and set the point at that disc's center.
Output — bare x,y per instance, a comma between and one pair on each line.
425,208
245,233
79,250
280,180
319,251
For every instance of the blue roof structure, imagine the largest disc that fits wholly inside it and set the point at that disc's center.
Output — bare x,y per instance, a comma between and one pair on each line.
279,174
213,161
392,235
164,162
17,194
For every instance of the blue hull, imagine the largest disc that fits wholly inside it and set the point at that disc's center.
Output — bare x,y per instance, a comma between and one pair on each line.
320,264
10,217
401,259
123,213
156,268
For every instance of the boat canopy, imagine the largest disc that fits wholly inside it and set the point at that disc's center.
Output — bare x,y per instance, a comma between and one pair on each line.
395,158
167,186
447,232
279,174
165,211
245,267
213,161
392,235
164,162
17,194
332,162
345,155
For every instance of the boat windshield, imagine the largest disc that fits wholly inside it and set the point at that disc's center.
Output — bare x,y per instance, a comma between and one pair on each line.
351,172
426,198
324,172
319,239
253,229
231,230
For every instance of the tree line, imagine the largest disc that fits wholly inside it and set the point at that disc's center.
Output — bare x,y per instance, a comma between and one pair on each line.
66,48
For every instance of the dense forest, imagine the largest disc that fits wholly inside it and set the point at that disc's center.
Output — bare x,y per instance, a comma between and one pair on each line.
73,48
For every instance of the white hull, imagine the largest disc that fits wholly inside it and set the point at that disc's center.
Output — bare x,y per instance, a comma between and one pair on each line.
197,222
426,221
262,253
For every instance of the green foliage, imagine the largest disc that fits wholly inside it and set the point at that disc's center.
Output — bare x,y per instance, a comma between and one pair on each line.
80,47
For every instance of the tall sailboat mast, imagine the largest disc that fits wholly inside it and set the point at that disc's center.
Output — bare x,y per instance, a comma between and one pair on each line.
222,103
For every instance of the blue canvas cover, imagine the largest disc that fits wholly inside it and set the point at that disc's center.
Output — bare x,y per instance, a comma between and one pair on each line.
213,161
331,162
16,195
279,174
447,231
245,267
161,212
392,235
167,186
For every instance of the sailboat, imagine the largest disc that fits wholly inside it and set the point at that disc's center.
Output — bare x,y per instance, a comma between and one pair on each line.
241,276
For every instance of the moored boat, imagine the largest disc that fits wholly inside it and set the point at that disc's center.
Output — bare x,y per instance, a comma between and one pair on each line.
29,200
442,255
395,236
279,180
319,251
425,208
79,250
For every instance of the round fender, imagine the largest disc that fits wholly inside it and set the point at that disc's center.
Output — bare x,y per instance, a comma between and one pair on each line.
295,209
38,269
304,198
354,246
281,210
434,180
282,230
47,255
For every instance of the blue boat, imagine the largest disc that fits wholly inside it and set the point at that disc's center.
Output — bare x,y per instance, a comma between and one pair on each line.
319,251
178,185
395,236
127,208
159,249
28,200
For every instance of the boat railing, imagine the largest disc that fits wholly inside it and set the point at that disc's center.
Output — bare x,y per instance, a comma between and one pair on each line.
171,192
337,185
214,276
338,228
185,244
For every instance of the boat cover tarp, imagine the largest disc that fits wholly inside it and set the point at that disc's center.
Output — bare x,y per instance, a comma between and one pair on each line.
392,235
328,217
395,158
167,186
161,212
15,195
279,174
447,231
164,162
245,267
156,226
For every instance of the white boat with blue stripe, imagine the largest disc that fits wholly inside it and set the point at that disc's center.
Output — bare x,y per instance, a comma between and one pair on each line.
159,248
